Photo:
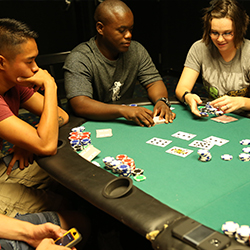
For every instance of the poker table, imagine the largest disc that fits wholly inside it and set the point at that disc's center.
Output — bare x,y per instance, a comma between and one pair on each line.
176,190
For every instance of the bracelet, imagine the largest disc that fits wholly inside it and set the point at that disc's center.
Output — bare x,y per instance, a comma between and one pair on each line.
183,97
164,99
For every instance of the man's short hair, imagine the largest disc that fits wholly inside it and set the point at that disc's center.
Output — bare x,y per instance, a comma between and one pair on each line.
12,34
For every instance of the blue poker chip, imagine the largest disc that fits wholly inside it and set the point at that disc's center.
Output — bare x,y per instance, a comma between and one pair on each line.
75,142
85,141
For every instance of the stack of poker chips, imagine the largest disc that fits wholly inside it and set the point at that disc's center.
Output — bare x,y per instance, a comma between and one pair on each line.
204,155
79,139
240,233
208,109
245,156
122,165
229,228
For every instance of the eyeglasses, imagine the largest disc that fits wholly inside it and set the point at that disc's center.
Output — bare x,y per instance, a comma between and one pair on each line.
226,35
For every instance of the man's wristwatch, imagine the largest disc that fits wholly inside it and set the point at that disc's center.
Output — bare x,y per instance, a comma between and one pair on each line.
164,99
183,97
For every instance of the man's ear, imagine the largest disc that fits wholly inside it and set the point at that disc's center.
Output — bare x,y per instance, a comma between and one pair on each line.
2,62
99,27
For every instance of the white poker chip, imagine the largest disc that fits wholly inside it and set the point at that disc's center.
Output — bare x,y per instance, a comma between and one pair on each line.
246,150
243,232
229,228
245,142
244,157
227,157
203,152
78,129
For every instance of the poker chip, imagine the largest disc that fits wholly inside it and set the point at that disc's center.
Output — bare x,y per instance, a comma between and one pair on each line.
108,159
124,170
245,142
137,171
129,161
203,113
246,150
227,157
75,142
78,147
242,234
229,228
78,129
121,157
205,155
219,113
139,178
244,157
85,141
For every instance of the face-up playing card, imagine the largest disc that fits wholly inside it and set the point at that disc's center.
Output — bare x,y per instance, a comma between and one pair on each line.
159,142
201,144
184,135
183,152
216,140
224,119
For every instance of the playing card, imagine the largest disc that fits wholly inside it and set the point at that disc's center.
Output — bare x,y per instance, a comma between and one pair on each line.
183,152
224,119
216,140
183,135
201,144
103,133
159,142
90,153
158,121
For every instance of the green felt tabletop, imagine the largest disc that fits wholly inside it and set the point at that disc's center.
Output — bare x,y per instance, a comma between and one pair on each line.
210,192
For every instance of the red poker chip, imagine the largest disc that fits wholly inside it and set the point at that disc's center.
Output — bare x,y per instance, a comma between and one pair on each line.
121,157
129,161
74,137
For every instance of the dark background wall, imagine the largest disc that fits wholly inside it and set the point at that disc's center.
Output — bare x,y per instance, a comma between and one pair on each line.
167,28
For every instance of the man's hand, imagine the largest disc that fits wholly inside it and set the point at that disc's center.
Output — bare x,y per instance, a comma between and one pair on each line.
164,112
48,244
37,81
24,157
140,115
42,231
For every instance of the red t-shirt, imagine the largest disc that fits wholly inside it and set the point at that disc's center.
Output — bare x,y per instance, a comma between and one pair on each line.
10,102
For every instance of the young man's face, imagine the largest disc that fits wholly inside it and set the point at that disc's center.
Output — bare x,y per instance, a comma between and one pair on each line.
24,64
117,34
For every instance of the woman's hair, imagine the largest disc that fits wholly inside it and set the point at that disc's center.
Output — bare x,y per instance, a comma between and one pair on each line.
226,9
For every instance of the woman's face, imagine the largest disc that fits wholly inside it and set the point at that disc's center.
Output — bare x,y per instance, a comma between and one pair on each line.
222,34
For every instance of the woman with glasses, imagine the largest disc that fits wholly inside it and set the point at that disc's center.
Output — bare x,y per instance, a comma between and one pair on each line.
222,56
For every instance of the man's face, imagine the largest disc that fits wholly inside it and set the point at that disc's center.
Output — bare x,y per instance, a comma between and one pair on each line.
117,34
24,64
